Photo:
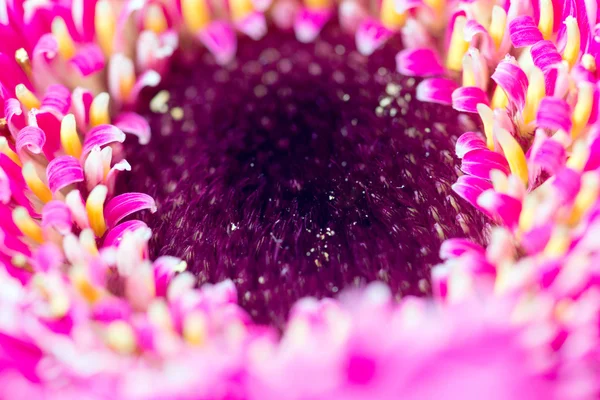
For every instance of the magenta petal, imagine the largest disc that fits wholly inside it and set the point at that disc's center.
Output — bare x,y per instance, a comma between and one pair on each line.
114,236
419,62
524,32
545,55
452,248
135,124
101,136
88,60
505,207
550,156
469,141
82,100
470,187
219,38
126,204
47,257
466,99
57,100
164,270
554,114
309,23
567,183
57,215
371,34
32,139
474,29
63,171
510,77
14,116
481,162
254,25
436,90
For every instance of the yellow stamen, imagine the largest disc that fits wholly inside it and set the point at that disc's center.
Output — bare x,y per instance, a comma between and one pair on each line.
121,337
587,196
546,24
499,180
66,46
458,45
536,91
99,113
95,209
59,305
468,74
240,8
390,18
22,59
88,241
194,329
27,225
126,79
571,52
26,97
583,108
579,156
559,242
35,184
589,62
155,19
68,136
317,4
487,117
499,99
83,285
6,150
514,154
196,14
498,25
105,23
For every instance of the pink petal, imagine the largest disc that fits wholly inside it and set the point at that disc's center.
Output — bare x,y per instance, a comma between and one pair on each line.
419,62
401,6
219,38
474,29
111,178
126,204
500,205
11,74
536,239
147,79
135,124
554,114
436,90
510,77
481,162
114,236
32,139
550,156
14,116
466,99
63,171
254,25
101,136
545,55
309,23
164,270
452,248
50,124
567,183
57,215
371,35
88,60
470,187
469,141
82,100
57,100
524,32
47,257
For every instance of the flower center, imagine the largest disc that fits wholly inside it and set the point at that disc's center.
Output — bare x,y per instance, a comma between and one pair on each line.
299,170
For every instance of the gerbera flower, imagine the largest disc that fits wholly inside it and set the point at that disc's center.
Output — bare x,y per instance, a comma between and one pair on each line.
283,200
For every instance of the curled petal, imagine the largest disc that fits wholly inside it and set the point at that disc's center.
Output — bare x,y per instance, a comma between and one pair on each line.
545,55
147,79
63,171
474,29
554,114
567,183
165,268
481,162
111,178
501,205
57,215
14,116
82,100
32,139
114,236
436,90
101,136
524,32
57,100
470,187
126,204
88,60
550,156
419,62
466,99
510,77
469,141
452,248
135,124
371,34
74,201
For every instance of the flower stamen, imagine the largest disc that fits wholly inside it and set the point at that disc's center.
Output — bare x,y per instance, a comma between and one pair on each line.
27,225
26,97
66,47
95,209
35,184
68,136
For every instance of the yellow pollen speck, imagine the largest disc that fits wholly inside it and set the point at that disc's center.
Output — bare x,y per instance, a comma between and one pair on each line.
105,23
6,150
458,45
26,97
546,24
27,225
69,138
121,337
571,52
158,104
66,46
514,154
583,108
99,112
35,184
498,25
487,117
177,113
22,59
536,91
196,14
155,19
390,18
95,209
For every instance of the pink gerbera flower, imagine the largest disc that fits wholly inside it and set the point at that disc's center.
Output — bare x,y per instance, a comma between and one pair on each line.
240,199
